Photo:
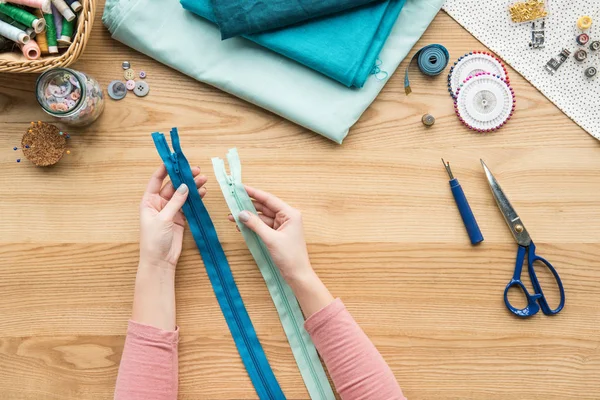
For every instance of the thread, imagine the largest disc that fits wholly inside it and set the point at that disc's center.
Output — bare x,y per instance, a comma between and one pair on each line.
31,50
51,34
67,31
584,22
23,17
64,9
75,5
31,3
58,19
16,24
12,33
431,60
41,38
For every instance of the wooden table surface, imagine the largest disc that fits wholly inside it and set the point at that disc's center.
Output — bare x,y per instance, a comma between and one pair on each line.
383,232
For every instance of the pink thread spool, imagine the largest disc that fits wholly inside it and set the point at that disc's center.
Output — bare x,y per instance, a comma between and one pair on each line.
43,4
31,50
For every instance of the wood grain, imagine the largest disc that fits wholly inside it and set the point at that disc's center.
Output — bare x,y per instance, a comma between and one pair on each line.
382,228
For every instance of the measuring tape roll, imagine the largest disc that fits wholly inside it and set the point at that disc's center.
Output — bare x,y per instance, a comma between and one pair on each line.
471,64
484,102
431,60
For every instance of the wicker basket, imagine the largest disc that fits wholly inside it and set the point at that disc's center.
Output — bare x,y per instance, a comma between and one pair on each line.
17,63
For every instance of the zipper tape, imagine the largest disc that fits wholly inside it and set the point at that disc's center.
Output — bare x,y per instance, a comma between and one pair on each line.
219,272
286,303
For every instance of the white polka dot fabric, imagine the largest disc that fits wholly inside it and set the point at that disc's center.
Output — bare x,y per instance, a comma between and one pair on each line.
569,88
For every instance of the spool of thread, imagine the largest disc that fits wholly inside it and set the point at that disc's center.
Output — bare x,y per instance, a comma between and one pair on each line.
67,32
64,9
43,43
12,33
32,3
31,50
584,22
75,5
23,17
431,59
51,34
58,19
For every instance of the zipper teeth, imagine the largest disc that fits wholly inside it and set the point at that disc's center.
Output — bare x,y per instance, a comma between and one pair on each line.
285,300
228,296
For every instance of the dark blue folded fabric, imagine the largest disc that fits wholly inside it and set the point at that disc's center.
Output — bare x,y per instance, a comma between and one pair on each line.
343,46
244,17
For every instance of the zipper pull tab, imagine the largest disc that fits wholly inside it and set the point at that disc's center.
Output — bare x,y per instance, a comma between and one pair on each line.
175,162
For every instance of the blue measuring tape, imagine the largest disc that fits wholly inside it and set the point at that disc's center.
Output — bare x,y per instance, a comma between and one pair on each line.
431,60
219,272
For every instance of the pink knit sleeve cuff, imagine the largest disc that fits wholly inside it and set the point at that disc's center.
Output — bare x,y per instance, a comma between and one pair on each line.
324,315
152,333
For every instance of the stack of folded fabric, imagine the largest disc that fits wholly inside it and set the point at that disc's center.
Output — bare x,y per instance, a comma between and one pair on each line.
319,65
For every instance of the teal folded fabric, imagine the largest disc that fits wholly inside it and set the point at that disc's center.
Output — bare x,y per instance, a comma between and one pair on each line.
244,17
343,46
173,36
287,306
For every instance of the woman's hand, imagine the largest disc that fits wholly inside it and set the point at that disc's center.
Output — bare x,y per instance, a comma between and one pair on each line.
280,228
161,220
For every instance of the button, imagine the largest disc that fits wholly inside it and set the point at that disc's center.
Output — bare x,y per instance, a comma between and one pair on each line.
142,75
117,90
583,39
595,45
141,89
130,84
129,75
428,119
580,55
126,65
591,72
584,22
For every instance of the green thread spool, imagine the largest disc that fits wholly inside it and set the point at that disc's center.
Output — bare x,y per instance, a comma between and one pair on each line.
9,20
23,17
67,31
51,34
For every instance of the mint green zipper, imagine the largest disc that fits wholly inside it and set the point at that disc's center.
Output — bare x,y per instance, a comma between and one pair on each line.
289,311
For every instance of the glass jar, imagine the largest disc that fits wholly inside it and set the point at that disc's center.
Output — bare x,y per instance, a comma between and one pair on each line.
70,96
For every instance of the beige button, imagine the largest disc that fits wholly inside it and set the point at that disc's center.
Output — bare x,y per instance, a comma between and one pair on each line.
129,74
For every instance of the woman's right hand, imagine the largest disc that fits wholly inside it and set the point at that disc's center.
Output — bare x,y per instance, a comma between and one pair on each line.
280,228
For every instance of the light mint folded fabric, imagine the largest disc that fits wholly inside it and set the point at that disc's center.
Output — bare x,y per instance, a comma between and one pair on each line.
285,302
173,36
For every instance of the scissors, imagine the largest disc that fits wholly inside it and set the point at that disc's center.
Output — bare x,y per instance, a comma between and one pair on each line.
526,249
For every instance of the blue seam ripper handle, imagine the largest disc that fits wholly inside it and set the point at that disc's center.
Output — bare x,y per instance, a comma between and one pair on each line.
465,212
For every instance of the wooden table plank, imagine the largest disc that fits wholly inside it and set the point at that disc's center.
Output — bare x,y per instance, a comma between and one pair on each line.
382,229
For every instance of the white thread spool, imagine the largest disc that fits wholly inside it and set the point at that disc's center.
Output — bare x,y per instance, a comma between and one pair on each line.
13,33
39,25
64,9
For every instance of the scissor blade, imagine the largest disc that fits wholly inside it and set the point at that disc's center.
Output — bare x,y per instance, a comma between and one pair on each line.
510,215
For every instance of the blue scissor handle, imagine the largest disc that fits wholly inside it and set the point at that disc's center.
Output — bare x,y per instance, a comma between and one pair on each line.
532,299
532,258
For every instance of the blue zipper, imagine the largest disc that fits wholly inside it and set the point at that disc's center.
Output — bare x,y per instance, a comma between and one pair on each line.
266,385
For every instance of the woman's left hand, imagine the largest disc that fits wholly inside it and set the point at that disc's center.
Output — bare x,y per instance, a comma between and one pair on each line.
161,219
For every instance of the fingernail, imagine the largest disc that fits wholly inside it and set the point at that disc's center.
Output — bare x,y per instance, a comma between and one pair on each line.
182,188
244,216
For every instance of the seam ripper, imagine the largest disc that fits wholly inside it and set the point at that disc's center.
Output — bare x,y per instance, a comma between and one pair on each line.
463,207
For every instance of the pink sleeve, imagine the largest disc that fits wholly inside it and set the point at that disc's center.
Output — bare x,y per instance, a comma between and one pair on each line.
148,369
356,367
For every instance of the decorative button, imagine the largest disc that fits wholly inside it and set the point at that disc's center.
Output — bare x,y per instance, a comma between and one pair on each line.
126,65
129,74
591,72
116,90
130,85
142,75
428,119
141,89
583,39
580,55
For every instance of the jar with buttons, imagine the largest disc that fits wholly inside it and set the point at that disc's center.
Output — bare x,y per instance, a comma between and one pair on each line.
70,96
